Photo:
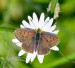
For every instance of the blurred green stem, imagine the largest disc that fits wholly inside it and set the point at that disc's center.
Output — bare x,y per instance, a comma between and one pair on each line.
62,60
53,5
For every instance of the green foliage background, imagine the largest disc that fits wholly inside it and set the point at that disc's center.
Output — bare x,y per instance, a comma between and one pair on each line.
12,12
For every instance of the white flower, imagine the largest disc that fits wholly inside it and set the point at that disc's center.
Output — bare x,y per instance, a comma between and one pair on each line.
35,24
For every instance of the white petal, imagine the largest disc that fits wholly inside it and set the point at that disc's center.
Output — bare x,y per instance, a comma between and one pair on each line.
29,56
26,24
50,22
46,21
21,53
55,48
41,20
55,32
40,58
48,25
31,22
35,20
19,44
22,26
51,28
15,40
33,56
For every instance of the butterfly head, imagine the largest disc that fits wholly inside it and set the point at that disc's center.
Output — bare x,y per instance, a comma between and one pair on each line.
39,30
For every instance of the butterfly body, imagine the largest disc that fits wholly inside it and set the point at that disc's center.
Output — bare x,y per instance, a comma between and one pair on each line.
37,36
38,41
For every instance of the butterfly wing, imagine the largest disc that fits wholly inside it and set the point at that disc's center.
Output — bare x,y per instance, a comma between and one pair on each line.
42,49
49,39
26,37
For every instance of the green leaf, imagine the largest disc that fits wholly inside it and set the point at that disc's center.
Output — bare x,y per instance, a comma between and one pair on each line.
42,1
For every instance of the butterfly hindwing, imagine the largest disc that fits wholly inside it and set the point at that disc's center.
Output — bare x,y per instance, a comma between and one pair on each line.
28,46
42,49
26,37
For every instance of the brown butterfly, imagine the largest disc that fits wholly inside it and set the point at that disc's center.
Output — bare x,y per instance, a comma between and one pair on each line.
36,40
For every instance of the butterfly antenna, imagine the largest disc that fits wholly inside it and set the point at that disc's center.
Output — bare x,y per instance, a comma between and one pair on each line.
66,57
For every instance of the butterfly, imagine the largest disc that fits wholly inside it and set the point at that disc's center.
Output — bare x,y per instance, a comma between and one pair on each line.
36,40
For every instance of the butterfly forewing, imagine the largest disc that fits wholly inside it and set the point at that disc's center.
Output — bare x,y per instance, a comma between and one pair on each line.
26,37
49,39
